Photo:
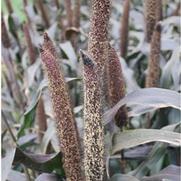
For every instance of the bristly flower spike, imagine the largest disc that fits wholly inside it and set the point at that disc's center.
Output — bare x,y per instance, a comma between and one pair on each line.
93,124
65,122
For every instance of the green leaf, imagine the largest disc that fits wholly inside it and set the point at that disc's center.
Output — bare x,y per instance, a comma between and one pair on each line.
26,140
172,172
12,26
40,162
113,166
70,79
7,163
67,48
139,152
132,138
122,177
31,72
48,177
157,153
145,100
29,115
172,127
28,121
15,175
169,71
47,136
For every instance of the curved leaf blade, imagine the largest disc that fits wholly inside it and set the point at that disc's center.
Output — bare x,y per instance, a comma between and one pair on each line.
132,138
145,100
172,172
6,164
40,162
47,177
123,177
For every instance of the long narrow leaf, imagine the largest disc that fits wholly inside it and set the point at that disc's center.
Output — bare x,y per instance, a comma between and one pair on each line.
145,100
132,138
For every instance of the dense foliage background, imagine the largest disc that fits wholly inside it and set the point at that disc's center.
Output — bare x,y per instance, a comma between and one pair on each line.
141,151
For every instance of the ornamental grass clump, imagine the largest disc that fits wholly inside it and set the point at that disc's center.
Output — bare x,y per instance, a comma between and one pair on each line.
65,122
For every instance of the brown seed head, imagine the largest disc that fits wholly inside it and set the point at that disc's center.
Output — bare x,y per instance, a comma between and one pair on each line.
76,16
31,48
99,20
152,79
66,127
48,45
44,13
93,133
116,86
98,35
98,51
124,29
98,39
153,14
69,13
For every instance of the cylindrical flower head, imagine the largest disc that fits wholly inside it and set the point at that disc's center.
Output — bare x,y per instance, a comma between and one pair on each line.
152,79
76,16
98,39
31,48
99,20
48,45
94,132
65,122
98,35
69,13
153,14
44,13
116,86
124,29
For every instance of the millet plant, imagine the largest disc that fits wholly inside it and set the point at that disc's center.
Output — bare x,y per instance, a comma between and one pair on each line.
90,90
